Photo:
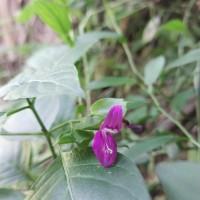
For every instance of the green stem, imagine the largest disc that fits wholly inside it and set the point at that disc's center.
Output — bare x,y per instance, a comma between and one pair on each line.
125,45
21,134
197,90
42,162
87,80
63,124
176,122
86,75
17,110
135,71
44,130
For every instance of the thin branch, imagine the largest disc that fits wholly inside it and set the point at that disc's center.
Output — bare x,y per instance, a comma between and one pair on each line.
44,130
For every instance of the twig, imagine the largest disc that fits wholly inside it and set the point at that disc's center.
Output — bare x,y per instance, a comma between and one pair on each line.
44,130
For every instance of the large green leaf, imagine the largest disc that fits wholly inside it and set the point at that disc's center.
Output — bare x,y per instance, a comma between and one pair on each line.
51,78
147,145
8,194
51,71
180,180
55,16
153,69
110,82
79,176
102,106
190,57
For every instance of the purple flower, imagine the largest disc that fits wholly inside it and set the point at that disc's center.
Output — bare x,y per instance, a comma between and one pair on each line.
104,145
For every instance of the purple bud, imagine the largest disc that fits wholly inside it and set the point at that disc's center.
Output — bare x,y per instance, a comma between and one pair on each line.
135,128
105,148
113,121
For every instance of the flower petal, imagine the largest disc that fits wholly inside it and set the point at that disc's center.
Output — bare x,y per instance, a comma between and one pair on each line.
105,148
113,120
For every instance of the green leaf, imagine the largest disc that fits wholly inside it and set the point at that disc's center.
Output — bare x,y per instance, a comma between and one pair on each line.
147,145
77,132
44,75
153,69
174,25
180,100
136,101
138,115
88,123
85,123
8,194
78,175
102,106
110,82
190,57
84,42
49,71
55,16
180,180
81,138
26,14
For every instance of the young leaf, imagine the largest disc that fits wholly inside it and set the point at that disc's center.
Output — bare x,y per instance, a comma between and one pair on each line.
79,137
26,14
102,106
190,57
55,16
174,25
110,82
77,132
78,175
153,69
82,138
180,180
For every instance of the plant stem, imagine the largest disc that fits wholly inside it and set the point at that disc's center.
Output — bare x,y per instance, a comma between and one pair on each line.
63,124
17,110
44,130
21,134
176,122
197,90
87,81
135,71
125,45
86,75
